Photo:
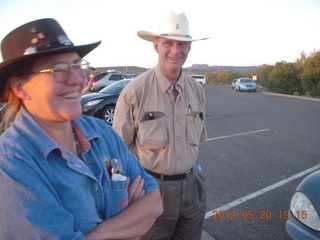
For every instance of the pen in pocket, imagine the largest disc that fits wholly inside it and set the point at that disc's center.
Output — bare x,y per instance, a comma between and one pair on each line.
189,108
197,116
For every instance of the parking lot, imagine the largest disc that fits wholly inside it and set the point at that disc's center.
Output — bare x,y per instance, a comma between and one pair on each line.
260,146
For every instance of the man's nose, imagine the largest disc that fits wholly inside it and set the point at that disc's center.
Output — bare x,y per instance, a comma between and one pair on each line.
175,47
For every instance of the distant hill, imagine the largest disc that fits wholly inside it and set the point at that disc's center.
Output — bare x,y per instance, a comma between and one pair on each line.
207,68
123,69
193,68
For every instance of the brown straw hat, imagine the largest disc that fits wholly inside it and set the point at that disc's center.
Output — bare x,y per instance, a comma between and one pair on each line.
32,40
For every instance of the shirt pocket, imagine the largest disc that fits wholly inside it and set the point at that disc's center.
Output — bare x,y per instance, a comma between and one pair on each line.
152,131
195,122
117,197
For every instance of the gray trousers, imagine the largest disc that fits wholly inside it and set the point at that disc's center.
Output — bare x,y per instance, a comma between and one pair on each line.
184,204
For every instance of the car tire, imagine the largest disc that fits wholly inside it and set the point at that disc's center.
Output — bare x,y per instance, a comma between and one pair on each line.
108,115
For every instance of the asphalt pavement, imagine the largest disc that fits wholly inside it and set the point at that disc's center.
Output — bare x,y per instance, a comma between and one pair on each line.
206,236
256,142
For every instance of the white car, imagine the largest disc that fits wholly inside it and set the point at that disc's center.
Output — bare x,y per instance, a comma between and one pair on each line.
200,78
233,83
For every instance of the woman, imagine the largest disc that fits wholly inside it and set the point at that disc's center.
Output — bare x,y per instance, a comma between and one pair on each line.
63,175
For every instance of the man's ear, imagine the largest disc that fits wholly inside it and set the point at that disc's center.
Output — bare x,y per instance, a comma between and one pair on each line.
155,45
17,86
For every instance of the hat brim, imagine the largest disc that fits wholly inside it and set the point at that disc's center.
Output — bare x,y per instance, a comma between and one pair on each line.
10,67
150,36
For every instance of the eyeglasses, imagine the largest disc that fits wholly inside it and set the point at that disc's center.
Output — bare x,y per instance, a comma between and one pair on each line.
61,71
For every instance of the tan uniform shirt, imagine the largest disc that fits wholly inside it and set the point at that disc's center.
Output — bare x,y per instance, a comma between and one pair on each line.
163,133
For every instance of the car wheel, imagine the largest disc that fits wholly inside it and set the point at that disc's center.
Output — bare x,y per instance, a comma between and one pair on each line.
108,115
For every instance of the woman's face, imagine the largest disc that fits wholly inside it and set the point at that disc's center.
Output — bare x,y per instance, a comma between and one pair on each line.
52,96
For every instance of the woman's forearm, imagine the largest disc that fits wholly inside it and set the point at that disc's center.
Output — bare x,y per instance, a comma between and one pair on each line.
133,222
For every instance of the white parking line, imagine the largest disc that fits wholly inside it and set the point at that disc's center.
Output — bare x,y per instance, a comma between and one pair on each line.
214,117
260,192
239,134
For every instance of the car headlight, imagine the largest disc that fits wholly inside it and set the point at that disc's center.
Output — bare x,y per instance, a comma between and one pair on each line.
92,103
304,210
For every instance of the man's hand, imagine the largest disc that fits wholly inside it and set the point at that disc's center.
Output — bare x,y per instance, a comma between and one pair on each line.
136,190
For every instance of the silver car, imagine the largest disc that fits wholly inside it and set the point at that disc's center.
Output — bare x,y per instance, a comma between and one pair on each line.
107,80
245,84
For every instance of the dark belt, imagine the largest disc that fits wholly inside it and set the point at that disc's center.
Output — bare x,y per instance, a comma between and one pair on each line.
170,177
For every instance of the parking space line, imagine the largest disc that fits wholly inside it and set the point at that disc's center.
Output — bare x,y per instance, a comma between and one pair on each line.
239,134
260,192
207,118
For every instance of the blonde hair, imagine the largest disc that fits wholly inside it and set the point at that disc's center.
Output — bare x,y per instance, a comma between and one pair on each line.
13,102
13,106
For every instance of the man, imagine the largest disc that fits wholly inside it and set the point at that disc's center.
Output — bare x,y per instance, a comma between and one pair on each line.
160,116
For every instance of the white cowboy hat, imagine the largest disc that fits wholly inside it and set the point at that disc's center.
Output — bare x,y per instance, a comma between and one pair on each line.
175,26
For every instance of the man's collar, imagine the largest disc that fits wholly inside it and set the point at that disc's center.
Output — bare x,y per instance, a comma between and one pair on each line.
164,83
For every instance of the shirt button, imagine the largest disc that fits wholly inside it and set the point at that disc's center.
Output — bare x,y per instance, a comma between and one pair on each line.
89,162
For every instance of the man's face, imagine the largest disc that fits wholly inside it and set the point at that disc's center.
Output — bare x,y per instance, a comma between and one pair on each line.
172,53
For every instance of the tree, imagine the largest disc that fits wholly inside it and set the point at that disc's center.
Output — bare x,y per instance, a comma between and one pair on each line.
310,77
299,66
284,78
300,61
230,75
227,77
263,74
210,77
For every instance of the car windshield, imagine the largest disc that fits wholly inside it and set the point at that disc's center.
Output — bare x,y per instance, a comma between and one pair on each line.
246,80
126,76
115,88
99,76
197,77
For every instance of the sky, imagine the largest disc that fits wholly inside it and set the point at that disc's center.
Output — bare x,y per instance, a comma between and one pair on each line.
242,32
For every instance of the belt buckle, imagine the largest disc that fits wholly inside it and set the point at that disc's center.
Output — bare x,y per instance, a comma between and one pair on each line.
187,173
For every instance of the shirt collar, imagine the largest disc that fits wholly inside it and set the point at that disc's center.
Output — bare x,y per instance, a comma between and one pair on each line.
166,85
29,129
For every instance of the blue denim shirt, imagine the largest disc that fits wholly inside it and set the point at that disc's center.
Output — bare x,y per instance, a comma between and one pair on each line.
49,193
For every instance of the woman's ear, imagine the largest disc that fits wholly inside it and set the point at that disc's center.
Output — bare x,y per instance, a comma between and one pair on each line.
17,86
